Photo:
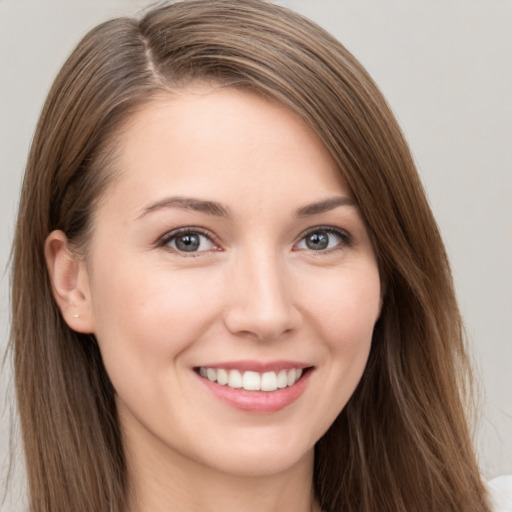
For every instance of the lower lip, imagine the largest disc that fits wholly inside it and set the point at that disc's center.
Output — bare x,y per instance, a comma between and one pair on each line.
258,401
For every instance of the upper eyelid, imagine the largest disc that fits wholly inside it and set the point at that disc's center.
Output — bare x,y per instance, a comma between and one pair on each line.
345,242
333,229
169,235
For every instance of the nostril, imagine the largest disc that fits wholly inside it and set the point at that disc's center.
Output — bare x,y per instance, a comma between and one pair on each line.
262,325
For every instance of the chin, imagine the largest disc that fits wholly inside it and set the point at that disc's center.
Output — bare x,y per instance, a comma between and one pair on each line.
262,463
264,455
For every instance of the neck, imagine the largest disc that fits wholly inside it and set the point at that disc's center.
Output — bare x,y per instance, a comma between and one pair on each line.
168,484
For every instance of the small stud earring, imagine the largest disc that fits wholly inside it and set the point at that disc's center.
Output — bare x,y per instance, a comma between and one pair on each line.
76,315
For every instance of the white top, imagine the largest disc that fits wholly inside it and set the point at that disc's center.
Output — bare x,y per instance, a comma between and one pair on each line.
500,492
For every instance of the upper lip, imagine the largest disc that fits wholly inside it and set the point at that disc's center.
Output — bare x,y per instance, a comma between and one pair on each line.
257,366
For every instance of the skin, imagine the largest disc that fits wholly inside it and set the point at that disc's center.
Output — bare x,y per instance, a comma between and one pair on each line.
254,291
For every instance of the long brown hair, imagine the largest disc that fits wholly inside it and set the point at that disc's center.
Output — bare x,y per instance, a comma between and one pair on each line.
402,442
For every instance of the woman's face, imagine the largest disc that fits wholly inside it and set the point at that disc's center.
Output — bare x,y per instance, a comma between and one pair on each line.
231,284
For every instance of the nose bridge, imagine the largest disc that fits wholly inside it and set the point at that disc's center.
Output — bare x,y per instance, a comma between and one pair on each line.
260,300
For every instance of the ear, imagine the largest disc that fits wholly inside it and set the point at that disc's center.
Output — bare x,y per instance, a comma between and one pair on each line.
70,283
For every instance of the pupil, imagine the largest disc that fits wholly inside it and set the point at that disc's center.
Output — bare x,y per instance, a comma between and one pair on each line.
317,241
187,243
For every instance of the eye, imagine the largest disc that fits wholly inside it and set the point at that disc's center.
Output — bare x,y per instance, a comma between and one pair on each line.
323,239
188,241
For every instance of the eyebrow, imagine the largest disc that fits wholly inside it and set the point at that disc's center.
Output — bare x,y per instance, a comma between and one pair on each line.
188,203
324,206
216,209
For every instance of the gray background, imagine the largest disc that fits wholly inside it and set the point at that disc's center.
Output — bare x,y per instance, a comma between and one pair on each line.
445,67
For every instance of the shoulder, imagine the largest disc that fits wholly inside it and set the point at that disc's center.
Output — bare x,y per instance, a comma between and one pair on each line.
500,493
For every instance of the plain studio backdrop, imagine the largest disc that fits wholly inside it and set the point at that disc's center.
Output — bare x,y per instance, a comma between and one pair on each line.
445,68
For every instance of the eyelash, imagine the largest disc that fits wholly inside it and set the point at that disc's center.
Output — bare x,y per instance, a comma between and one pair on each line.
165,240
345,240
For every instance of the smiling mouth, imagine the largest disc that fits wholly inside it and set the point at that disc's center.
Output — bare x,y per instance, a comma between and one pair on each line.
251,380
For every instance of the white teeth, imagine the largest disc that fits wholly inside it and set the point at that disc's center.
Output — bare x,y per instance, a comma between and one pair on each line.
268,381
235,379
282,379
250,380
222,377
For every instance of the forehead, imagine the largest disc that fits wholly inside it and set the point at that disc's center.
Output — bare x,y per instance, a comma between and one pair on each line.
228,143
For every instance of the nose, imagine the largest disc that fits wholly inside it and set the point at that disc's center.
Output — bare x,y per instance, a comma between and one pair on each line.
261,303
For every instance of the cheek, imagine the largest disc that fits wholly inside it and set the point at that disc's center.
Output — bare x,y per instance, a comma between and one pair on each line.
346,306
343,307
144,319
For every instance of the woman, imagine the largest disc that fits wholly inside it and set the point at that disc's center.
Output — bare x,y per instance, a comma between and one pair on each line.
229,290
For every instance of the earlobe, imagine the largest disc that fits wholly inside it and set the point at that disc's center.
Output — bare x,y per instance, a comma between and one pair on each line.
70,283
